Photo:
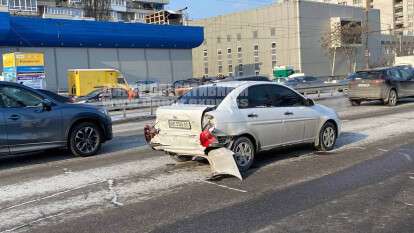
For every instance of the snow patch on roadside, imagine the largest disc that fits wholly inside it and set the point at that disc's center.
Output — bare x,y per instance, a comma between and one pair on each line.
140,190
12,193
360,132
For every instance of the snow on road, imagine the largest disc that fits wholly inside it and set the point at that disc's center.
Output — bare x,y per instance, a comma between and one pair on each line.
85,191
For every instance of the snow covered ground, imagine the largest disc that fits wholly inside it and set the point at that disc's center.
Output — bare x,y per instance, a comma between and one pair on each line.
73,193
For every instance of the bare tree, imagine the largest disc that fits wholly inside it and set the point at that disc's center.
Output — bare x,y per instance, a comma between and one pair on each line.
343,39
98,9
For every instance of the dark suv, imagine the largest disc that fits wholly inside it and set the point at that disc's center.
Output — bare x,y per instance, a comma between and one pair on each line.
32,121
385,84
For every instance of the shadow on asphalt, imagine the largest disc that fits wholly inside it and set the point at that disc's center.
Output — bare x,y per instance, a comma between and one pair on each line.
285,153
379,103
118,144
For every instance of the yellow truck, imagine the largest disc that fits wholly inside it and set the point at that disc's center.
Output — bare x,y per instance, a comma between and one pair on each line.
83,81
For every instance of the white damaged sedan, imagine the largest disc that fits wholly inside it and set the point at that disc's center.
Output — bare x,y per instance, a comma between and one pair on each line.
246,117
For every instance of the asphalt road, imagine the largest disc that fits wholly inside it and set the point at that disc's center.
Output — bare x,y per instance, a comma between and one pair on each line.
365,185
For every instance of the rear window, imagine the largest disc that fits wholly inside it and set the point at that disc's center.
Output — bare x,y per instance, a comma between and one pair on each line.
207,95
369,75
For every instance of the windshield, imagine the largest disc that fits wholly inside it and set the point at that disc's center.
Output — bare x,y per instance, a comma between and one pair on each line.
369,75
94,93
207,95
121,81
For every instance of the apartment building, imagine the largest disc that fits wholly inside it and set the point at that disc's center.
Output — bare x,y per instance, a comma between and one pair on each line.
397,16
116,10
281,34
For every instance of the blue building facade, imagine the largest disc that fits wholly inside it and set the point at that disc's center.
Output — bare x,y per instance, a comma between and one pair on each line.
140,51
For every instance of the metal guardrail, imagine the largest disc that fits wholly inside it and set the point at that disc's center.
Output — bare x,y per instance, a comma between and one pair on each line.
332,88
150,104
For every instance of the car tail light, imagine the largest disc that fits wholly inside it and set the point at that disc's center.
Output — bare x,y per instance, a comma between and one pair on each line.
377,81
150,132
207,138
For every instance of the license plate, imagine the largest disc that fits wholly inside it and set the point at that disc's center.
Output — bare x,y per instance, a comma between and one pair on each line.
179,124
363,85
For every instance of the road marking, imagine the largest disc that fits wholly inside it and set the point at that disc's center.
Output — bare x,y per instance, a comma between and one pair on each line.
114,199
383,150
266,229
32,222
224,186
52,195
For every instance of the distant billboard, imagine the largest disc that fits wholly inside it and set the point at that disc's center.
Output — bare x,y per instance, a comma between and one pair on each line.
25,68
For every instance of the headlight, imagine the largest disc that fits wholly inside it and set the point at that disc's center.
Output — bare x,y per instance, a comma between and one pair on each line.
104,111
208,121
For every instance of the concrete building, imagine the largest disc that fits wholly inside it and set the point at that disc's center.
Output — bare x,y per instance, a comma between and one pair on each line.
288,33
139,51
118,10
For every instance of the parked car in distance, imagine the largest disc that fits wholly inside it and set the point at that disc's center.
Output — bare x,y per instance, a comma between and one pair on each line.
106,94
247,78
387,84
31,121
304,82
246,117
180,87
57,97
147,86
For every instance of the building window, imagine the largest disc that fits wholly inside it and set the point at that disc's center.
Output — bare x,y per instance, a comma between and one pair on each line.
228,38
220,70
238,37
256,53
273,32
206,71
255,34
229,56
230,70
240,69
218,39
239,54
23,5
273,64
205,55
219,55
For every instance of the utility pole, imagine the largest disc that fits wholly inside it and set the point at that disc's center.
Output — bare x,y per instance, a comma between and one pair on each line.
366,52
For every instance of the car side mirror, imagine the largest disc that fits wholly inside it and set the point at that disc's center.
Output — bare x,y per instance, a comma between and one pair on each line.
309,102
46,105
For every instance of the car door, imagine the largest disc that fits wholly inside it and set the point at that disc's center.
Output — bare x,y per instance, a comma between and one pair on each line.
406,83
119,94
29,126
262,119
4,148
299,121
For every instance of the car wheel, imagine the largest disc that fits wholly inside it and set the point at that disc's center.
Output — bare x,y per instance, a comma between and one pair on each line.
392,98
181,158
85,139
327,137
244,152
355,102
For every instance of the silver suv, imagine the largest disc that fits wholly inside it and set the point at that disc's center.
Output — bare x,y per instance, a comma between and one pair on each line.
32,121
